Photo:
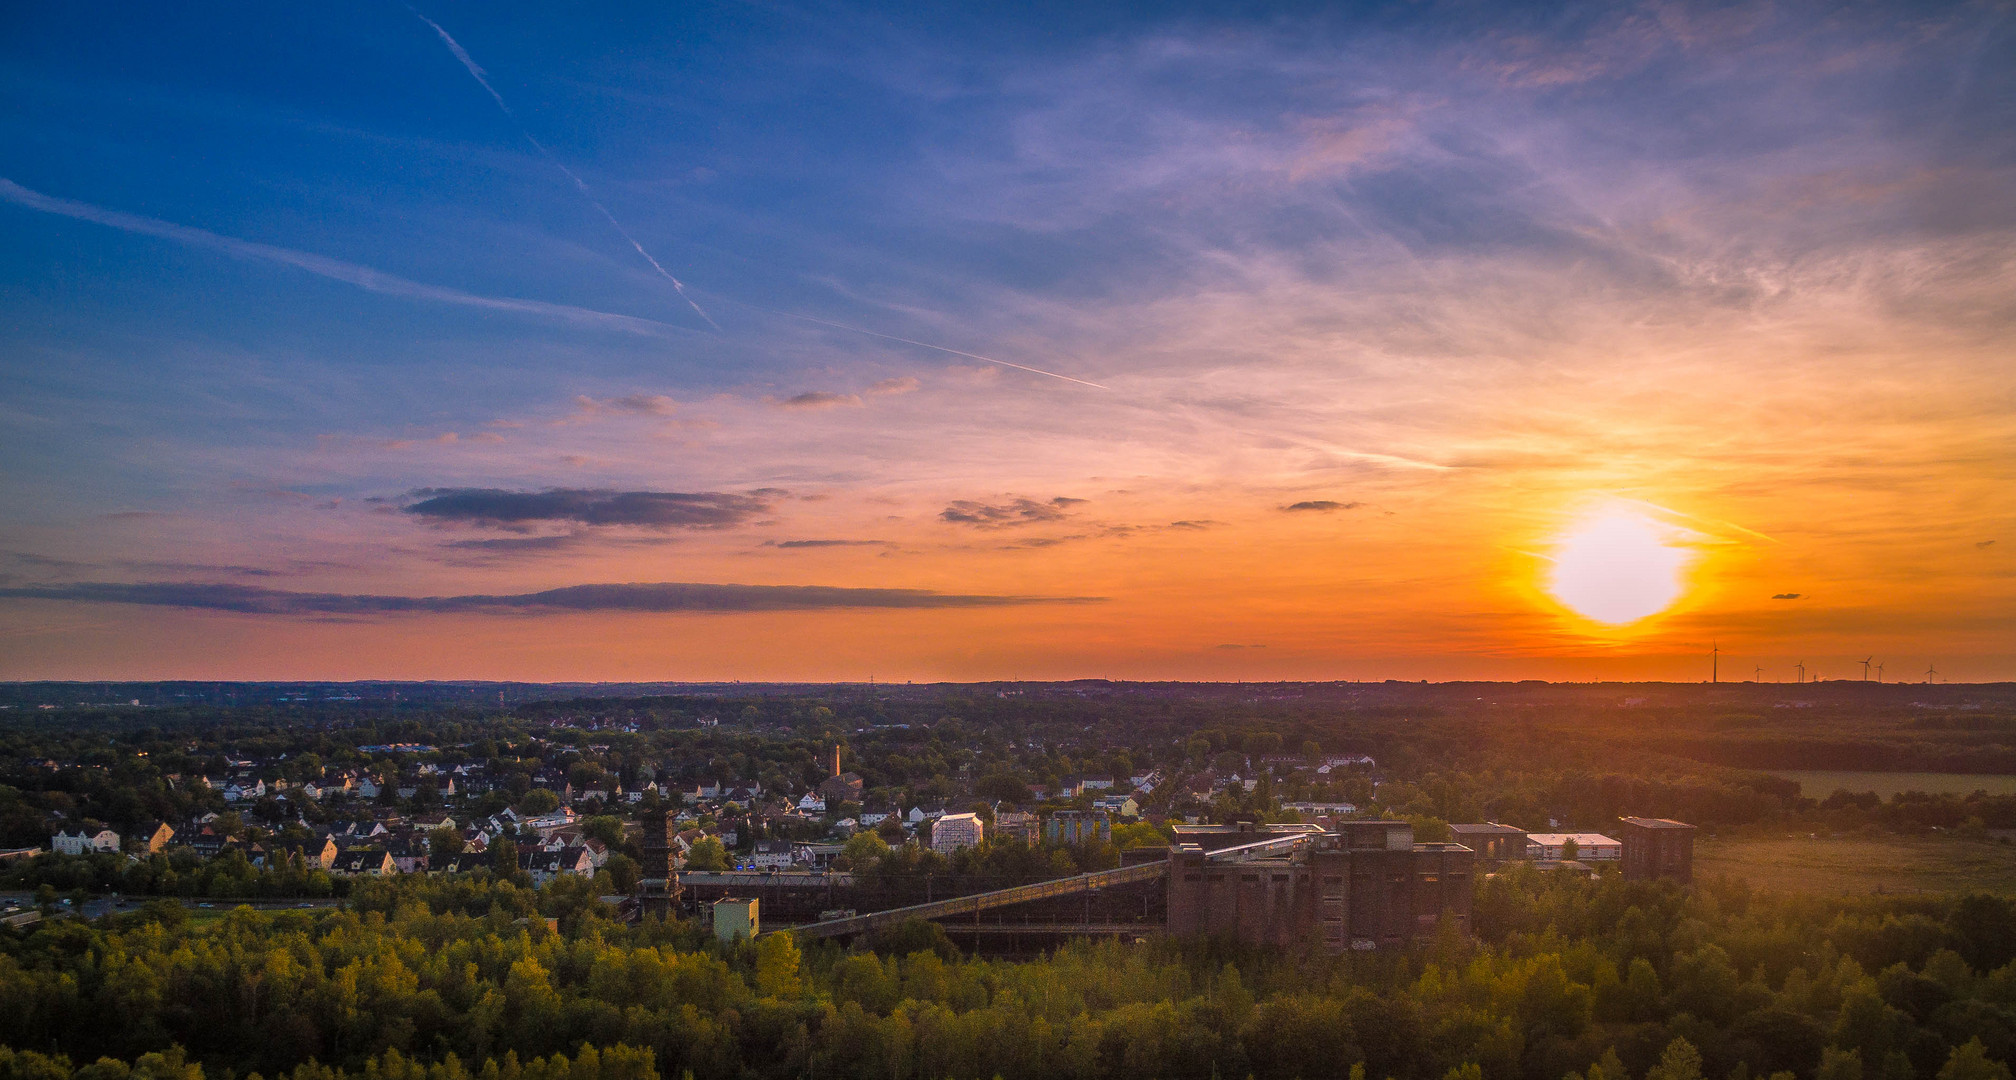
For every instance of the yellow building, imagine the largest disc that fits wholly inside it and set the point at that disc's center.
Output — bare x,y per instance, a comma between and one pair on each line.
735,918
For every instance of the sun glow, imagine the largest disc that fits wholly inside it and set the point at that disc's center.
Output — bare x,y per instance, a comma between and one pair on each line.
1618,566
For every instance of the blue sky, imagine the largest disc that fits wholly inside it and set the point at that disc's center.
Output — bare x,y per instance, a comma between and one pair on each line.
1464,268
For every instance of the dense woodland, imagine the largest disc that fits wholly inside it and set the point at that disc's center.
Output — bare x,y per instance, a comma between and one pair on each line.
1602,980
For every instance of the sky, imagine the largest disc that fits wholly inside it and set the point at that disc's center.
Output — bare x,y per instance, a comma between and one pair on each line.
965,342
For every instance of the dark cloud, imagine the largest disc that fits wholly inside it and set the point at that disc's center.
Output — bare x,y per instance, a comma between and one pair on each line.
516,545
662,509
1003,515
1322,506
818,399
639,597
1788,596
1985,543
830,543
648,404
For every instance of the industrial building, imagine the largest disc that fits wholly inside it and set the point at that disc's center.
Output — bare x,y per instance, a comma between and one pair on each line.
1657,848
1363,885
1491,841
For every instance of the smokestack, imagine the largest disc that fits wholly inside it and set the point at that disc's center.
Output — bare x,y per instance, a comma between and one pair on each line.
836,759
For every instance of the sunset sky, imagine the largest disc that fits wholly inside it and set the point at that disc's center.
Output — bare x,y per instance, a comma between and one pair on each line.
1408,340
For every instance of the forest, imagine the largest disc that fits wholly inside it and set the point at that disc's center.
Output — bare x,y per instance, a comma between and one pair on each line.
1565,977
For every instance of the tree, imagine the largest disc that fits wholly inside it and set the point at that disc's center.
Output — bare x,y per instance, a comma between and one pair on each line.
777,960
623,872
864,849
1570,850
1680,1062
1971,1062
504,857
1839,1065
1002,787
539,801
707,854
443,844
607,828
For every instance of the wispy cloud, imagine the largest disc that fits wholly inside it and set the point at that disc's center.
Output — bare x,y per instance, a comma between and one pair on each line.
658,597
349,273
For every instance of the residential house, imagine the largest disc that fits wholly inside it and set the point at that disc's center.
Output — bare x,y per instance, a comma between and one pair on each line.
319,853
159,836
772,855
1123,805
544,866
409,852
84,841
359,861
845,787
816,856
812,803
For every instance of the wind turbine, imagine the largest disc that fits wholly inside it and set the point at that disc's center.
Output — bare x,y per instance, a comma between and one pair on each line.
1930,673
1757,675
1715,662
1801,665
1865,668
1879,673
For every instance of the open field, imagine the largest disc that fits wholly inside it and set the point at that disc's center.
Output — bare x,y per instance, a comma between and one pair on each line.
1820,783
1861,864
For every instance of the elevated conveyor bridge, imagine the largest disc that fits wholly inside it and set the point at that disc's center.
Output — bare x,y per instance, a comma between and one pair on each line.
1078,885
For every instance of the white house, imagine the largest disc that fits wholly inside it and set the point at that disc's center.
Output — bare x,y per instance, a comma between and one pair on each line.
954,831
84,842
1589,846
812,803
772,855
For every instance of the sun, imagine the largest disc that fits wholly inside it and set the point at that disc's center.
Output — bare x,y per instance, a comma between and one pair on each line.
1618,566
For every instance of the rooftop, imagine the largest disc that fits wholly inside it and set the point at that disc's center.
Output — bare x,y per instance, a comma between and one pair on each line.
1655,823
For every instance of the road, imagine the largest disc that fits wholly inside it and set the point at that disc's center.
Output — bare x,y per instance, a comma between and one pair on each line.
99,906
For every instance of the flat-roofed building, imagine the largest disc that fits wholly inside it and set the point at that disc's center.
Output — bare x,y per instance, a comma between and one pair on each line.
1657,848
1491,841
1078,827
1589,847
735,917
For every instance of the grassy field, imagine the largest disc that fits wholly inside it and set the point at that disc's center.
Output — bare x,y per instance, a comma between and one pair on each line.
1820,783
1861,864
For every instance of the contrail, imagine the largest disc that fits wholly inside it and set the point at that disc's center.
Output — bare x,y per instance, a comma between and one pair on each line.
483,80
350,273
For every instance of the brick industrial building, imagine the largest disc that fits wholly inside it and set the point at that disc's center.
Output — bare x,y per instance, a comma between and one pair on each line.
1657,848
1362,885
